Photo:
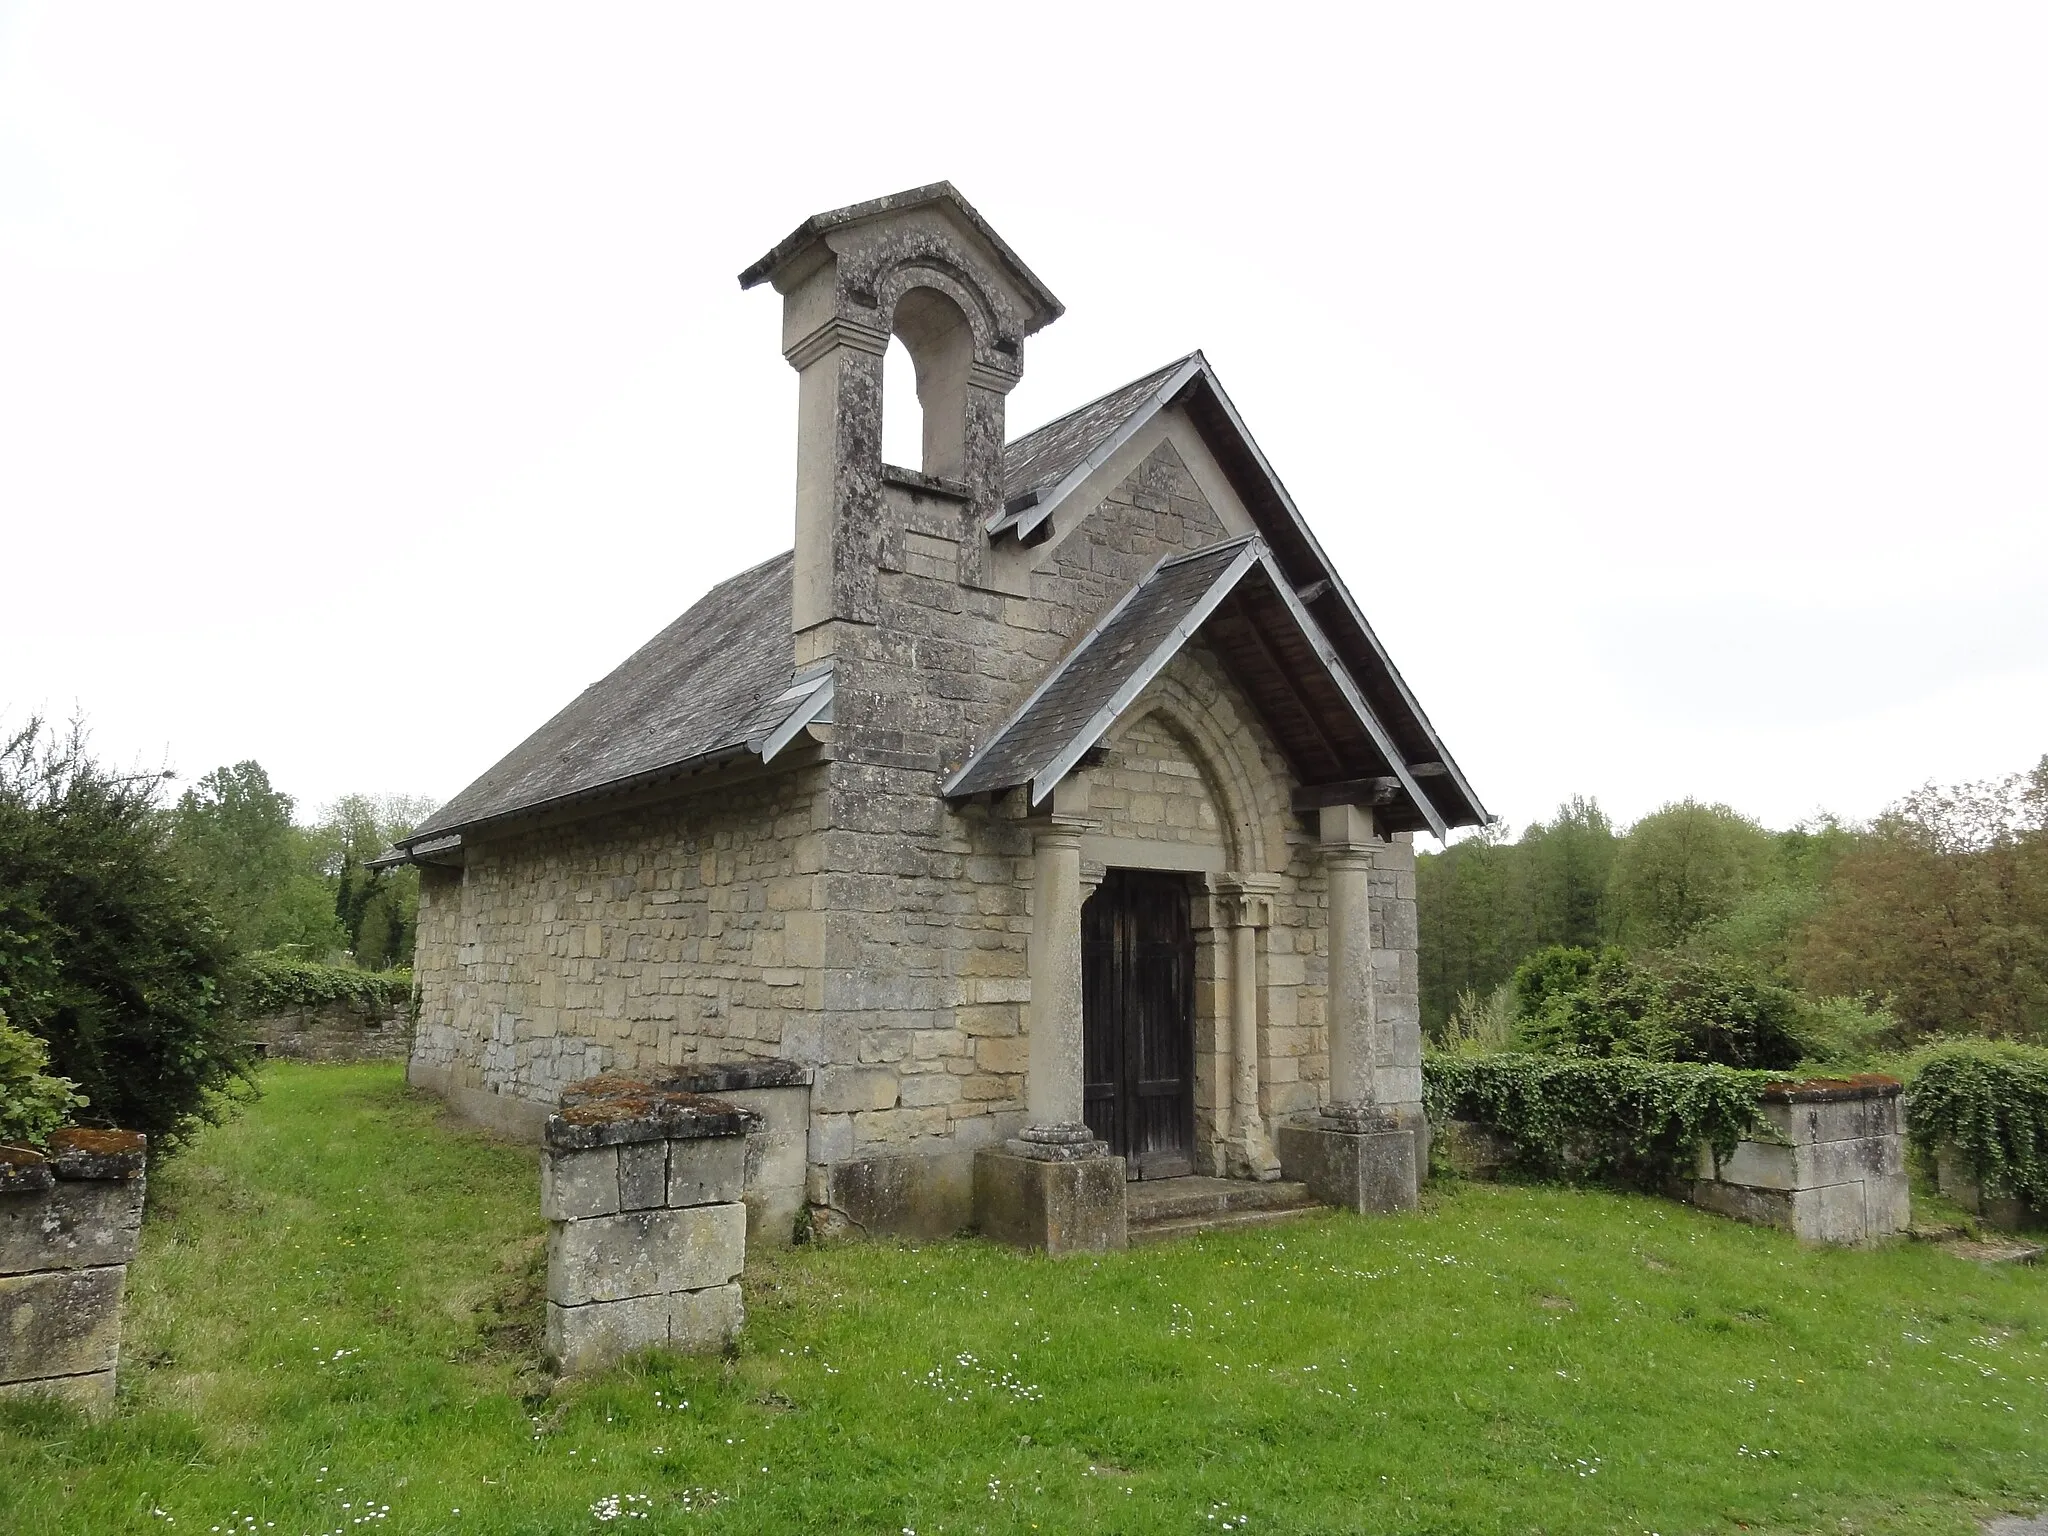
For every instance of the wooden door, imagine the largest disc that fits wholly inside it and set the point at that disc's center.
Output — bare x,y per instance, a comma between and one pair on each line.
1138,1021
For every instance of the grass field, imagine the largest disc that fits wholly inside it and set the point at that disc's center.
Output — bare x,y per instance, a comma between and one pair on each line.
334,1320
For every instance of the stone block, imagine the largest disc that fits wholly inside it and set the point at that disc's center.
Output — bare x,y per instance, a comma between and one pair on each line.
902,1194
66,1322
1887,1204
1367,1172
700,1322
1474,1151
77,1224
1053,1207
847,1090
643,1175
708,1171
1758,1165
576,1185
94,1391
1747,1203
1839,1162
1833,1213
642,1253
600,1333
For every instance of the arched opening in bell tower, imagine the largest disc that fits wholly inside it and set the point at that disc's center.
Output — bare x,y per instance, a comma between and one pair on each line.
932,336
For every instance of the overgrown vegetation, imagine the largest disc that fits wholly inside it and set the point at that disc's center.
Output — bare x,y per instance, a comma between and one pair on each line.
32,1102
274,983
1930,921
306,891
1585,1117
109,953
1989,1100
337,1303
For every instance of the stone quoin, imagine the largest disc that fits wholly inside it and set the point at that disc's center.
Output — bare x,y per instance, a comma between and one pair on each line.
1045,815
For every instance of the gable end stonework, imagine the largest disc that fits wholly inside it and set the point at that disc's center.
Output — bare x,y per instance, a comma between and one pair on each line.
648,887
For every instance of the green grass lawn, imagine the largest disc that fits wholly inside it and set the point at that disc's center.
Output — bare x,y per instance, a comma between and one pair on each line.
336,1314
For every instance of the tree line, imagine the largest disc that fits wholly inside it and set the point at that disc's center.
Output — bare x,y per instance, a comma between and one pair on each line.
1930,919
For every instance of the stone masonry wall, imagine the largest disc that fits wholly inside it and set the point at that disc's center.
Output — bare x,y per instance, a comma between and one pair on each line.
677,931
336,1031
843,916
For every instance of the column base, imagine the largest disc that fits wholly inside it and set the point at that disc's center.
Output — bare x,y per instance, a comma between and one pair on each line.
1070,1143
1054,1205
1367,1171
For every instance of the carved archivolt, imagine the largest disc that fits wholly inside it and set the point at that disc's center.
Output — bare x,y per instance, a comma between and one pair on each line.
1183,701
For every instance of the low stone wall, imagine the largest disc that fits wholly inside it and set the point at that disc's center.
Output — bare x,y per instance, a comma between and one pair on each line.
1831,1168
69,1218
336,1031
1956,1181
647,1233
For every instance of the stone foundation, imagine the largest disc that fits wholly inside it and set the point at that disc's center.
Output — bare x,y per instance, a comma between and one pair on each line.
1830,1169
1370,1172
69,1219
647,1230
1055,1207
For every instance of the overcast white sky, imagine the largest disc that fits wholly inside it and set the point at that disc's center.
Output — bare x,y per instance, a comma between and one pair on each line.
1668,382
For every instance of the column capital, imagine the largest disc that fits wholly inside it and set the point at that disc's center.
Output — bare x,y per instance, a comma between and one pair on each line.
1347,826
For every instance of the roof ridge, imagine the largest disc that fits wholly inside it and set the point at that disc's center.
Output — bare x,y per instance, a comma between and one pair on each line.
1085,405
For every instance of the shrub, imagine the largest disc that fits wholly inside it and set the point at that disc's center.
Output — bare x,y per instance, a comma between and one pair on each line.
1577,1116
1990,1101
32,1103
1843,1031
108,953
1479,1026
1549,973
1616,1009
1722,1011
272,983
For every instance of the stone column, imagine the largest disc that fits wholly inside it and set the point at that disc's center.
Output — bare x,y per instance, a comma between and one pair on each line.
1053,1186
1054,1128
1353,1014
1249,905
1363,1151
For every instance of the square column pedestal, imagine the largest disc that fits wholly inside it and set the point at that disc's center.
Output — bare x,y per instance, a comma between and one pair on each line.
1369,1170
1067,1205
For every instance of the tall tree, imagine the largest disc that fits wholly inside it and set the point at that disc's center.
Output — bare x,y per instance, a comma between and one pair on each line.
1570,864
1682,867
233,831
1943,908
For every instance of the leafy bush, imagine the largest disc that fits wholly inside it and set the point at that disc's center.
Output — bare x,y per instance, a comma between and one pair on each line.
1615,1009
1843,1031
1580,1004
108,953
1549,973
1723,1011
273,983
32,1103
1584,1117
1990,1101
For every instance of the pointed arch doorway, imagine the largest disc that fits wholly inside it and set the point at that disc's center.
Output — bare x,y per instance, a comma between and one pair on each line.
1138,1020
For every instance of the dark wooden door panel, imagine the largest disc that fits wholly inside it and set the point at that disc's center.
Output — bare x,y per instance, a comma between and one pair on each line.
1138,1037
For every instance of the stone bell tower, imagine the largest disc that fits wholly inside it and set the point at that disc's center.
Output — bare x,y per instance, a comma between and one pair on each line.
924,267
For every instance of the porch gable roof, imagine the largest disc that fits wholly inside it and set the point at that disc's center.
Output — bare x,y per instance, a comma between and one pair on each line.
1235,596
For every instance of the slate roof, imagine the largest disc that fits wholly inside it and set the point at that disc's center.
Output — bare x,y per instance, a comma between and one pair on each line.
709,681
720,678
1043,457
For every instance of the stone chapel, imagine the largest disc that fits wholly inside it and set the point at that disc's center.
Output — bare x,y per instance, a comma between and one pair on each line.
1036,832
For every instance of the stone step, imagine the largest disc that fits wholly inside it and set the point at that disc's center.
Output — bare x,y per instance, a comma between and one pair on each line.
1156,1200
1228,1221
